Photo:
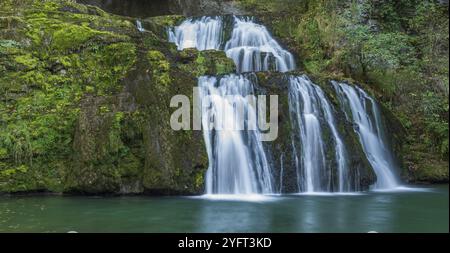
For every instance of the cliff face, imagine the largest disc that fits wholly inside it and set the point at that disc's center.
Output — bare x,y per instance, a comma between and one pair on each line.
397,50
282,155
84,95
85,100
144,9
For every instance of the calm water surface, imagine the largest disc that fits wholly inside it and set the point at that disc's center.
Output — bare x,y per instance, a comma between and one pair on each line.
424,210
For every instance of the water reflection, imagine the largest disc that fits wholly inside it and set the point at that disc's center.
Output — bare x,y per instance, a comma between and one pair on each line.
409,211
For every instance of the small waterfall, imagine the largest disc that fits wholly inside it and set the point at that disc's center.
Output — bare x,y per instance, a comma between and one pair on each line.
237,160
139,26
253,49
309,107
364,113
340,151
251,46
205,33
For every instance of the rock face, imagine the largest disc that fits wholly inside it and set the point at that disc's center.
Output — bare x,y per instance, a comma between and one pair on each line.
281,149
144,9
205,7
99,93
330,39
85,101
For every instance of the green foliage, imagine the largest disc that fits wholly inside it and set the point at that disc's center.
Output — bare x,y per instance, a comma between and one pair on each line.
6,45
435,110
27,60
398,48
355,37
71,36
209,62
42,83
160,68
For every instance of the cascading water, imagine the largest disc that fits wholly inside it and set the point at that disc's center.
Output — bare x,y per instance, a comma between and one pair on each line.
340,151
139,26
205,33
308,108
252,48
364,113
237,160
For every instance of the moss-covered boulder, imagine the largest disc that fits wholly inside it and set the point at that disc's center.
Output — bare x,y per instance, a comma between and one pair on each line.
85,103
209,62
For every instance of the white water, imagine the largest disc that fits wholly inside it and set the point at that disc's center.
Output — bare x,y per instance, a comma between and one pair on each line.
238,163
204,34
340,150
252,48
139,26
309,107
237,160
365,114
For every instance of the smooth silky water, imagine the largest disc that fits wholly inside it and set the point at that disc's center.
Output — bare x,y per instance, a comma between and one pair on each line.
422,210
253,49
248,203
237,159
237,167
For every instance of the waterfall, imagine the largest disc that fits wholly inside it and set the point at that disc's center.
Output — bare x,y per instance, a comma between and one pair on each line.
237,160
309,107
364,113
204,33
252,48
139,26
340,151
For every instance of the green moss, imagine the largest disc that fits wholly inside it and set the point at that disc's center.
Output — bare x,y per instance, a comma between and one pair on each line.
158,25
210,62
130,166
72,36
55,56
9,47
396,49
3,153
27,60
160,68
167,21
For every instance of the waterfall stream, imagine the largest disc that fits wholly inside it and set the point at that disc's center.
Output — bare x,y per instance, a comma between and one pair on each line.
238,160
252,48
205,33
309,108
250,45
139,26
365,114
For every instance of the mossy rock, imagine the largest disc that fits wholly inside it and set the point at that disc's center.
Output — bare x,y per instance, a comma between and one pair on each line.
66,115
209,62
